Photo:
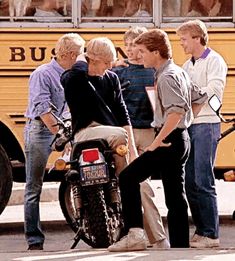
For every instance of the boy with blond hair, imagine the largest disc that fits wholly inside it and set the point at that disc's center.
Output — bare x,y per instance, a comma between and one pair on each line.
41,126
90,88
208,70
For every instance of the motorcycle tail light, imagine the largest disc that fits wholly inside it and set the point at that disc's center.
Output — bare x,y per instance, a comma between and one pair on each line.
60,164
90,155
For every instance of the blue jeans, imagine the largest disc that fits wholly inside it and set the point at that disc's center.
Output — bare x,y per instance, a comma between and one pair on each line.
37,150
200,180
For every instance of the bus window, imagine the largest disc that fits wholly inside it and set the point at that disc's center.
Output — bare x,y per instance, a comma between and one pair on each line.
208,10
49,11
142,10
115,10
4,8
171,7
90,8
43,11
113,13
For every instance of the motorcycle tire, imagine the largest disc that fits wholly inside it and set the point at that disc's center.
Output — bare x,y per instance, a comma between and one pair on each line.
66,204
97,217
95,214
6,179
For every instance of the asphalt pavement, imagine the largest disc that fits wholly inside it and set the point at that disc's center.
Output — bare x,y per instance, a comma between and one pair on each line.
59,237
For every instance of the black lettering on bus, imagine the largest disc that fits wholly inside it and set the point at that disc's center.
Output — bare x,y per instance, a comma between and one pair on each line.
53,52
17,54
41,54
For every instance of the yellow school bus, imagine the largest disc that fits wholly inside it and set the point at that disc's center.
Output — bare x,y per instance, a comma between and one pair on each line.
28,34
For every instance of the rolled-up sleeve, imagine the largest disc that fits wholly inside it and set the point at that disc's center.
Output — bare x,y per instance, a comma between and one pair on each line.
198,95
172,97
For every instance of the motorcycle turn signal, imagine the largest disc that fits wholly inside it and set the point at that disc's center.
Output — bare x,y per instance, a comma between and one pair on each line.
122,150
60,164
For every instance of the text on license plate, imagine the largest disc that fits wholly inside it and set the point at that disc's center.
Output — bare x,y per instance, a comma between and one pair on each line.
94,174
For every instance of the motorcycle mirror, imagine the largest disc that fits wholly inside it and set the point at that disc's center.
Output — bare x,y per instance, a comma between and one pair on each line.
215,103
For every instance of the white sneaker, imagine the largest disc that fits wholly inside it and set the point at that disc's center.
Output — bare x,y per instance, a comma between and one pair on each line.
164,243
134,240
204,242
194,238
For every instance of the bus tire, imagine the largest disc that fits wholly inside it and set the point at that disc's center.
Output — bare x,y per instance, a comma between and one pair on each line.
6,179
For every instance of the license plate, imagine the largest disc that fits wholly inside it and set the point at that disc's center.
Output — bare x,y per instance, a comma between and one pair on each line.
93,174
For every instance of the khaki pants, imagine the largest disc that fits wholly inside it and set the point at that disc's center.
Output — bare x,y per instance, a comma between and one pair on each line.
152,219
114,135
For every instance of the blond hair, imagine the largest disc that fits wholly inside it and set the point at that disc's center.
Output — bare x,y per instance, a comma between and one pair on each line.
195,28
134,32
101,48
71,42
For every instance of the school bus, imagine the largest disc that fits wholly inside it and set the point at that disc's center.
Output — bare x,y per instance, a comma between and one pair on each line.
28,37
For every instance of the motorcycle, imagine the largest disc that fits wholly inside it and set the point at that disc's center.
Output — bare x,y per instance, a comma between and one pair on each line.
88,194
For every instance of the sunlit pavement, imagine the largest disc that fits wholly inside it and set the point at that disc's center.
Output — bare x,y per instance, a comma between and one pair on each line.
59,237
149,255
50,210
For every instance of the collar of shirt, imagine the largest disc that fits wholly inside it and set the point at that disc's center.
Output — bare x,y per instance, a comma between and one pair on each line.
203,56
162,68
56,66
